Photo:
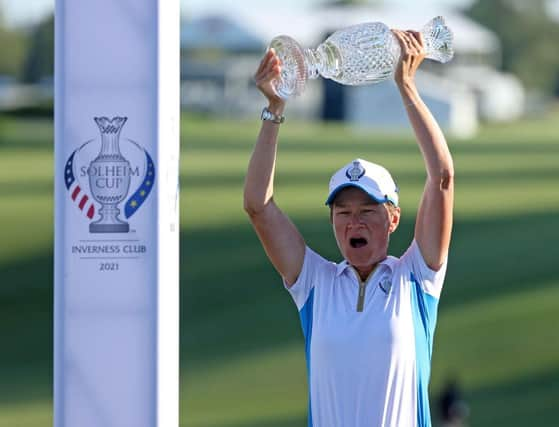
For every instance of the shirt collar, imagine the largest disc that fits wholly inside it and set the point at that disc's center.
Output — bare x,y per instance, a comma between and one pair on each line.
389,262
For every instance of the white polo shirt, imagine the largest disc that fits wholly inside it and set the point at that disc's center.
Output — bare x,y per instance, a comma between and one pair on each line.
369,368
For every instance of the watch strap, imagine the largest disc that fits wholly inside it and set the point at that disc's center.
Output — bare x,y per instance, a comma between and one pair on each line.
269,116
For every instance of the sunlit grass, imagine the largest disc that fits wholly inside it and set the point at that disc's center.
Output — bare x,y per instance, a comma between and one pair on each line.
242,353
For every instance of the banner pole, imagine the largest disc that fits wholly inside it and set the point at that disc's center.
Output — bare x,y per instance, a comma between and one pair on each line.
116,297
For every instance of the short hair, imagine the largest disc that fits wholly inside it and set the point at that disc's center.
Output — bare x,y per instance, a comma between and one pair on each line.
391,207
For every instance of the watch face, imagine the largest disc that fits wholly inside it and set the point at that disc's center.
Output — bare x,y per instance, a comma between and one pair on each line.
265,114
268,115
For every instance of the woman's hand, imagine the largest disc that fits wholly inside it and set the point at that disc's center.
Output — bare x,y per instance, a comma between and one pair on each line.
268,71
433,225
413,54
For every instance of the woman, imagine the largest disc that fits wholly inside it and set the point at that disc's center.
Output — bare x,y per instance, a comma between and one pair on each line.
369,320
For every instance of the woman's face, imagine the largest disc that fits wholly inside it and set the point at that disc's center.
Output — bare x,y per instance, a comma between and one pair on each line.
362,228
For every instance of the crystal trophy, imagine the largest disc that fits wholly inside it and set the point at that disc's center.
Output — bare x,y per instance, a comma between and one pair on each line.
357,55
109,177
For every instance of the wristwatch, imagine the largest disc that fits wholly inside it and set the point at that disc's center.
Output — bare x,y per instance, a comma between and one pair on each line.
274,118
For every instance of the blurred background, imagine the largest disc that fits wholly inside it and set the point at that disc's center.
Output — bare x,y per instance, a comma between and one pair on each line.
496,351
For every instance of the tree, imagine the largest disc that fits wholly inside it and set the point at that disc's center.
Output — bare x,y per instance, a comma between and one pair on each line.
12,46
528,37
39,61
352,2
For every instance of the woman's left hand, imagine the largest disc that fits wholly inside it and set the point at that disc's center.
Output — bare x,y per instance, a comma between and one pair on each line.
413,54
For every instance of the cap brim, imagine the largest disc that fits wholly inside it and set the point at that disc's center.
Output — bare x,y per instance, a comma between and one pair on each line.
339,188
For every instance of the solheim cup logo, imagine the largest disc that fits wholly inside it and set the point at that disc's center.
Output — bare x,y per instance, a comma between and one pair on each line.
356,172
107,176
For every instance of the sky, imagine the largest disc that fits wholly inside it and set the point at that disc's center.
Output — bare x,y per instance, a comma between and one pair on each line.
25,12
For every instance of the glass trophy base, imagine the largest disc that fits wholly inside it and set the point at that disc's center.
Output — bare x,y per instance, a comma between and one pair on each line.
293,66
109,228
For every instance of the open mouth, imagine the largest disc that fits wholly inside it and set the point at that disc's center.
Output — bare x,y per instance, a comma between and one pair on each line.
357,242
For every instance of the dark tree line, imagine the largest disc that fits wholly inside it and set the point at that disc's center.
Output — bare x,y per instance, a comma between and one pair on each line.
39,61
13,49
529,39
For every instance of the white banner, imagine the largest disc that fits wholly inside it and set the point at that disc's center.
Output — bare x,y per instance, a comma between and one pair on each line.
116,213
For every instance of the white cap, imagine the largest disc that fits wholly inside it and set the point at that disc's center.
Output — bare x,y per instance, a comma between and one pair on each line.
373,179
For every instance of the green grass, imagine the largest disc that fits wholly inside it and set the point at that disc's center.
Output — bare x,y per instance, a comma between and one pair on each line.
241,346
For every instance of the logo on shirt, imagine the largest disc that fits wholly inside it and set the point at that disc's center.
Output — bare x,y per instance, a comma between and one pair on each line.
386,286
356,172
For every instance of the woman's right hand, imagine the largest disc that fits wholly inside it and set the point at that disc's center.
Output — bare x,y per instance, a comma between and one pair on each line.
268,71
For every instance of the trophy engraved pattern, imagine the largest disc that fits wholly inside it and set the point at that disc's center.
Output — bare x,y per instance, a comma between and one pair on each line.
361,54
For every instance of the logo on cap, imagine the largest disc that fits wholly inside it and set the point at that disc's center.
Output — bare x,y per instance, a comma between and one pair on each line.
356,172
